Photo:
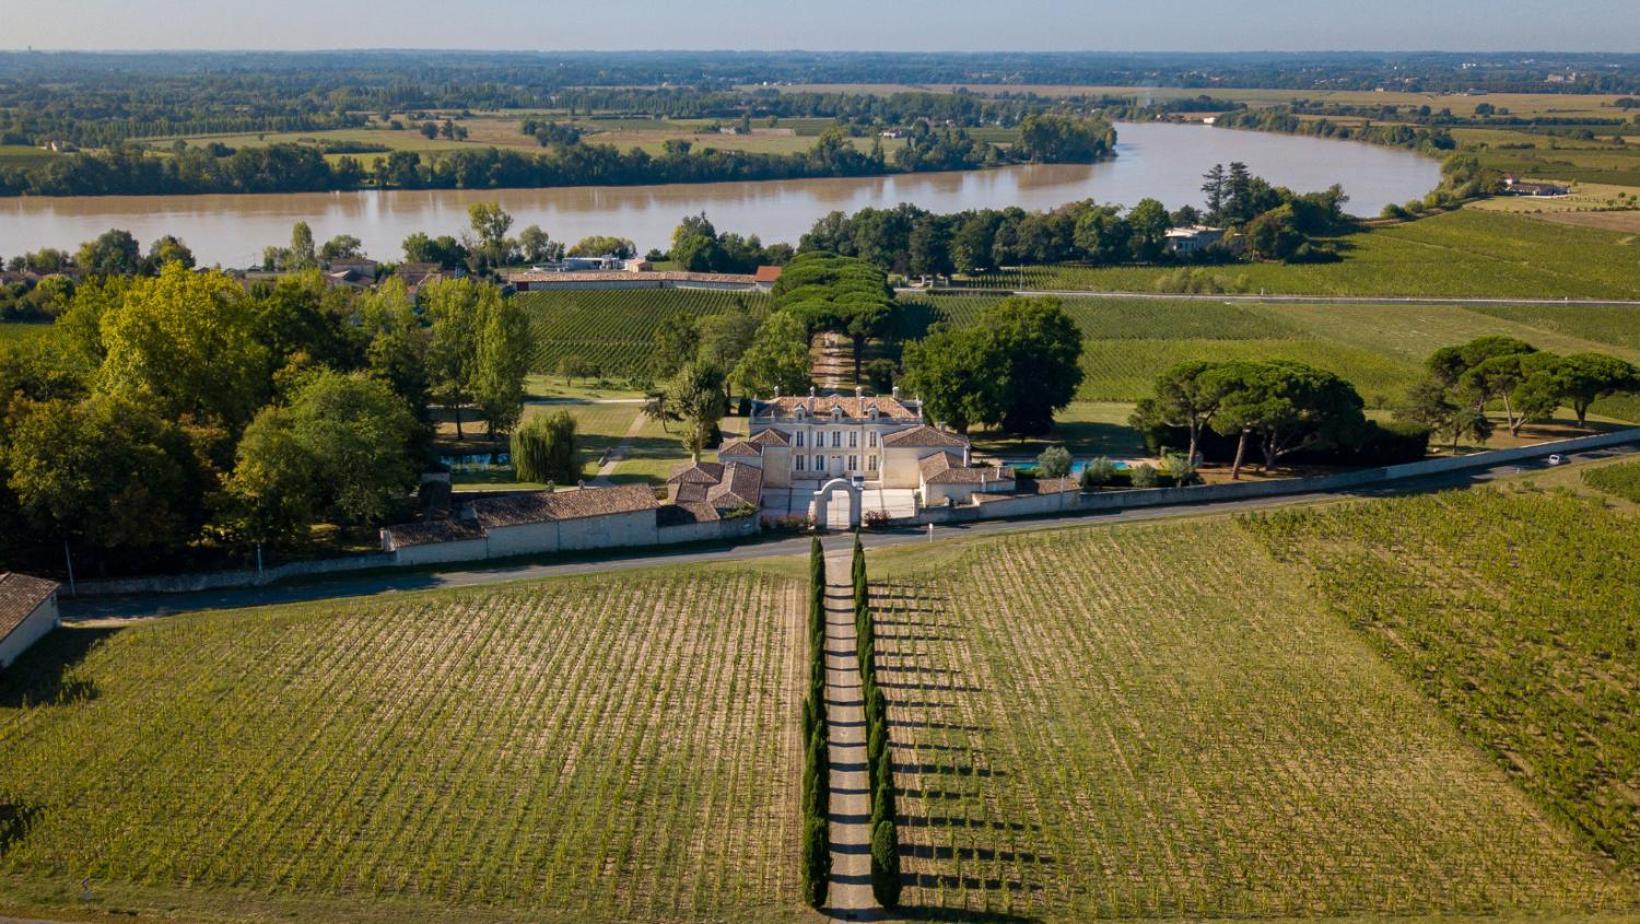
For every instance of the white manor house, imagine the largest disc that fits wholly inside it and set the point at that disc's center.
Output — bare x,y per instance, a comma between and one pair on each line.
803,443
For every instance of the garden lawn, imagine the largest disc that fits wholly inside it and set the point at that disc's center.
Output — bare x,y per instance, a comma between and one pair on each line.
599,749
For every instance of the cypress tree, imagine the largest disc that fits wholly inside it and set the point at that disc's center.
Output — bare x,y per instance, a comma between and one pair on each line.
885,864
816,861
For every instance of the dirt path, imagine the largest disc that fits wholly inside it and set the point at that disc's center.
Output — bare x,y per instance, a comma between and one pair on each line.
849,897
616,454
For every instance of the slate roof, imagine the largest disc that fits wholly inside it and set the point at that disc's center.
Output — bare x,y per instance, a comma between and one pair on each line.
20,596
923,435
544,507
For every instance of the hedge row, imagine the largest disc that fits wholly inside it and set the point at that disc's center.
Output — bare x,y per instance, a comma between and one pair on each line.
885,850
816,765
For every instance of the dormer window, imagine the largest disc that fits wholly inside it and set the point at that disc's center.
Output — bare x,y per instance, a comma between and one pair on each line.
802,412
872,413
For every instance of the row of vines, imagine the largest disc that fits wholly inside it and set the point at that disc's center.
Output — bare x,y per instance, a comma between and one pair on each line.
613,330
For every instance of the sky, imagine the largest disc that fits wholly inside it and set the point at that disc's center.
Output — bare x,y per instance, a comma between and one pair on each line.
865,25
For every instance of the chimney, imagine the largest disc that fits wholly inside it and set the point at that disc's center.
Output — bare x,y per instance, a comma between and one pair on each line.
777,391
896,393
811,391
859,391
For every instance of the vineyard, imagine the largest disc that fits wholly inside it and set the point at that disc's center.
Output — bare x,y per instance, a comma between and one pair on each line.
614,329
19,331
1464,253
1617,480
621,748
1160,721
1515,611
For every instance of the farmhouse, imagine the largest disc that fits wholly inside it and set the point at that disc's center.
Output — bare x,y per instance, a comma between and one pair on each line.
1515,186
536,280
1193,239
28,610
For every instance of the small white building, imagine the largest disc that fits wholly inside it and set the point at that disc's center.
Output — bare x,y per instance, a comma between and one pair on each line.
1193,239
28,610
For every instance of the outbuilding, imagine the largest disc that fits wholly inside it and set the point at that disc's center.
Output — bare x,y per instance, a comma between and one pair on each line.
28,610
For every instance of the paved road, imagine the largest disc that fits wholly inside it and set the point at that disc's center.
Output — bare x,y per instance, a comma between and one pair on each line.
1278,299
767,547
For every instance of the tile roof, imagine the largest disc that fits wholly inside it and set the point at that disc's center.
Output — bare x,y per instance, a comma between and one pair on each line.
769,438
686,514
923,435
690,493
696,473
412,534
741,485
822,406
637,280
20,596
767,273
741,448
545,507
947,468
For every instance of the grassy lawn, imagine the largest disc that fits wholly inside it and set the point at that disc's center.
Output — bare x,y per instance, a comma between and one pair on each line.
1468,252
1087,428
1162,721
606,749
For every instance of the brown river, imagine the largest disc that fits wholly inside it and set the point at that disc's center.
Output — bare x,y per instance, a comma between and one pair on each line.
1164,161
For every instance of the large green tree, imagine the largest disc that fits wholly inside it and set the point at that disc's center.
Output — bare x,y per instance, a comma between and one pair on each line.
847,295
777,358
1185,397
1286,406
501,359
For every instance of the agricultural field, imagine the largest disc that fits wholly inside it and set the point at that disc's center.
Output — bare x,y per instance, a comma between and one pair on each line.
1379,348
1468,252
1622,481
615,329
591,749
1181,729
18,330
1514,611
23,155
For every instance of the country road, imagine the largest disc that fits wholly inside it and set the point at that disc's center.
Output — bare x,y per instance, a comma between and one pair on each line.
136,607
1277,299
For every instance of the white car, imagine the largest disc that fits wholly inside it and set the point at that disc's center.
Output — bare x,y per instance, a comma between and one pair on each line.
1556,459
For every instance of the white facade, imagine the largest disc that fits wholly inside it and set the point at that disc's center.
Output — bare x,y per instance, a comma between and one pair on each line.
41,619
827,437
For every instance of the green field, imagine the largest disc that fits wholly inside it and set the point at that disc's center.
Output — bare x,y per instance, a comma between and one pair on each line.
615,329
1165,722
1379,348
1468,252
16,330
1617,480
608,749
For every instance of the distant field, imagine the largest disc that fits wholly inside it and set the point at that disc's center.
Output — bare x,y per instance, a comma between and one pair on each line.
615,329
1463,253
1616,480
608,749
23,155
1514,610
1379,348
13,330
1164,722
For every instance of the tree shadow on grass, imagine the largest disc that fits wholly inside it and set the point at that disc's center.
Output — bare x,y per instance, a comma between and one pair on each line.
41,675
16,818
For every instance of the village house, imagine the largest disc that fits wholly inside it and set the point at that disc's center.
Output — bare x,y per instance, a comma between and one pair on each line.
1515,186
1193,239
28,610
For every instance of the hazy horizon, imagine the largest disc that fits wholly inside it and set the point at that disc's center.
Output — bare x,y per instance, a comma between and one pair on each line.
1395,26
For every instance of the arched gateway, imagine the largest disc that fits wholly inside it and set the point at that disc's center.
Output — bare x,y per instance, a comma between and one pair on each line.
820,507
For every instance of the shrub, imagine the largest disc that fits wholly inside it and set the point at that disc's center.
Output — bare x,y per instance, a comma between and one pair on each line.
543,449
885,864
876,519
1180,469
1098,473
1143,476
1054,462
